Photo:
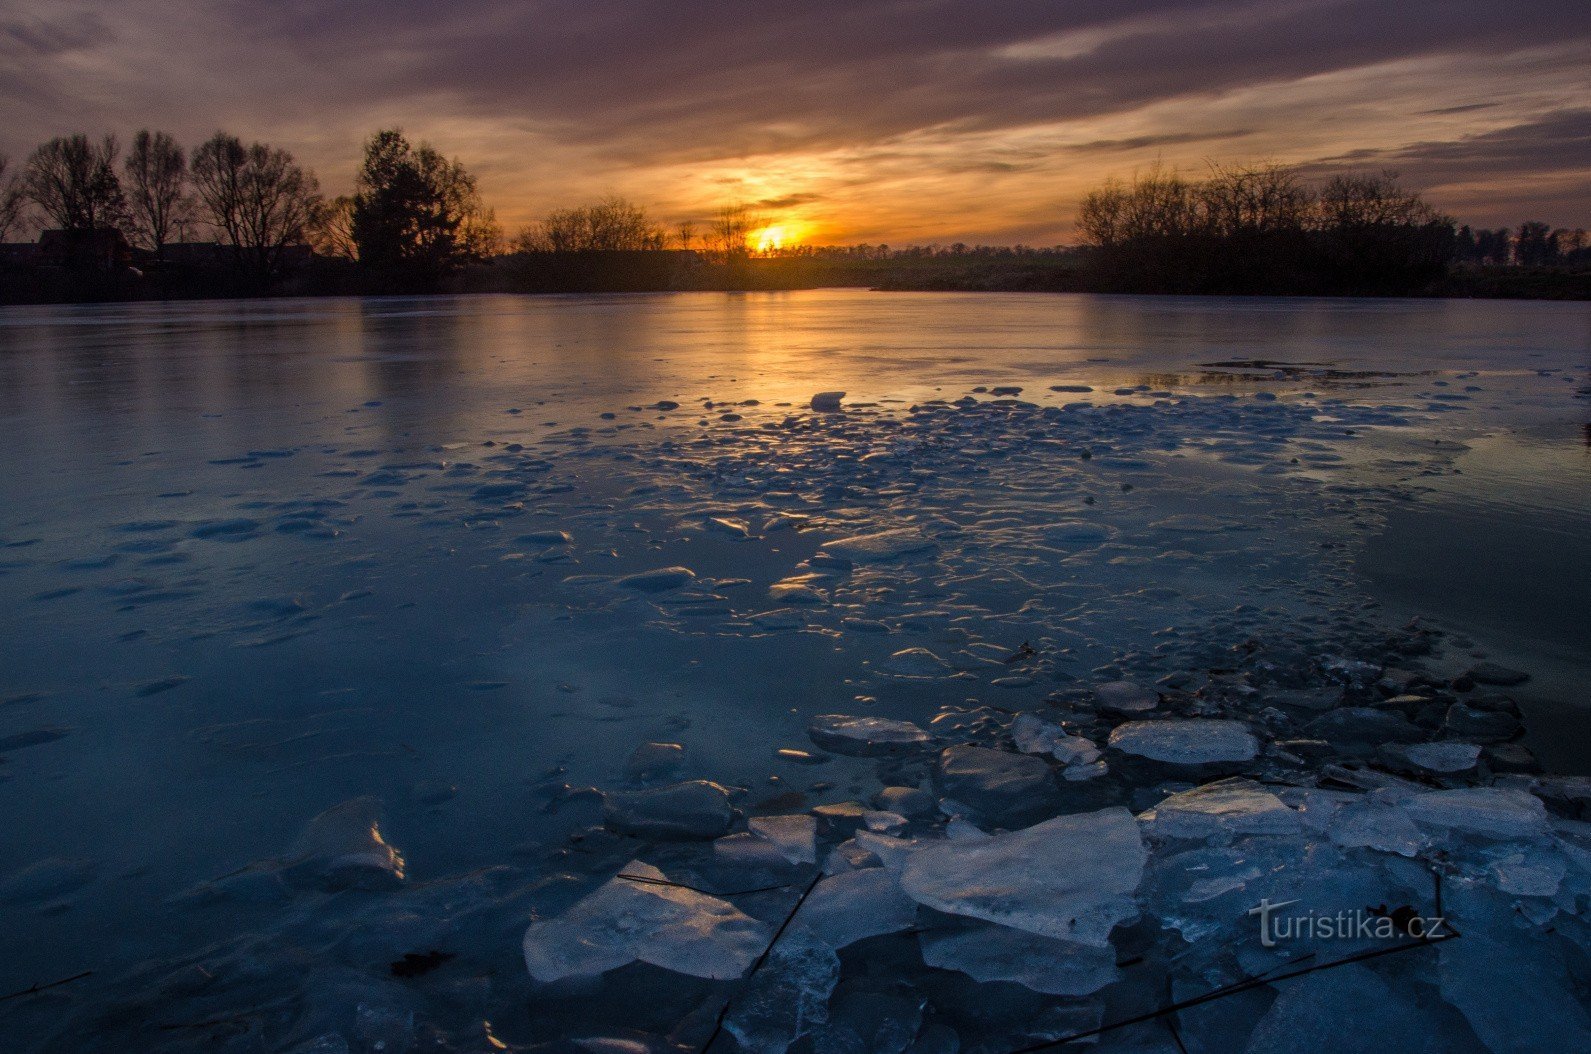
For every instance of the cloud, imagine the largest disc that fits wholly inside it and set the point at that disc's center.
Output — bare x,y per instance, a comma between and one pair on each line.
810,103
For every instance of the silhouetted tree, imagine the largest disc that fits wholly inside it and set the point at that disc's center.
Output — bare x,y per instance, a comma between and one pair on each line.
258,200
332,233
73,180
1534,246
686,234
1264,199
611,225
1260,228
415,214
729,234
13,198
157,188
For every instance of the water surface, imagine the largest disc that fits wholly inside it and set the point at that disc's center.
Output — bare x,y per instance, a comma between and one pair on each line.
260,558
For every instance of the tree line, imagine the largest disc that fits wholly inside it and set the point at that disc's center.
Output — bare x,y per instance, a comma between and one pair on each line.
416,217
1265,228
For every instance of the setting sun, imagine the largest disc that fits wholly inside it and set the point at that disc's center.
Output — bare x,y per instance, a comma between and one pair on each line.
773,237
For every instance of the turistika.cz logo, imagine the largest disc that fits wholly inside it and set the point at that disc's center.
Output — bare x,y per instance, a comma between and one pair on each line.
1355,924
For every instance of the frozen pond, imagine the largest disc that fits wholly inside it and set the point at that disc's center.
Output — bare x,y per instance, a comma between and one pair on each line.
464,557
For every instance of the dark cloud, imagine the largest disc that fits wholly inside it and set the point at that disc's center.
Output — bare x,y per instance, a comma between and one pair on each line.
1558,142
787,201
565,90
1140,142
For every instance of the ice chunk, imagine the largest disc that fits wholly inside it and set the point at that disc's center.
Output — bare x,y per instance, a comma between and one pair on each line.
1071,878
798,590
866,1021
1492,812
999,953
343,847
1348,1009
1195,741
1515,999
795,837
884,545
864,736
658,581
854,905
653,761
747,850
787,997
625,921
827,402
1034,735
1076,532
1495,674
1377,821
726,525
909,802
1444,757
1361,728
1126,697
1002,786
916,662
1535,872
694,809
1234,806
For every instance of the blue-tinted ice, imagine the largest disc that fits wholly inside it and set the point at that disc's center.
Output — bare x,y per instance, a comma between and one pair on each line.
478,674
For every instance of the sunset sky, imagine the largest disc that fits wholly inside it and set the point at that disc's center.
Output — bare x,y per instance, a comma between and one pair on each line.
898,120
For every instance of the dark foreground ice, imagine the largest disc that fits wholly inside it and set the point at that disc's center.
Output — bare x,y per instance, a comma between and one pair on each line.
1033,689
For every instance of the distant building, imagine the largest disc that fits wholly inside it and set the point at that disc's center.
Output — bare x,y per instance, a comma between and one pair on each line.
19,254
101,249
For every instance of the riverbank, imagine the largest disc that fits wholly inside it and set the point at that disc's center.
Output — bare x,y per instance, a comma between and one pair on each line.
1050,272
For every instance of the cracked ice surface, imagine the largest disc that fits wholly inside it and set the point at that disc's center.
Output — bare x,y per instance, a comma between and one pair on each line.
695,635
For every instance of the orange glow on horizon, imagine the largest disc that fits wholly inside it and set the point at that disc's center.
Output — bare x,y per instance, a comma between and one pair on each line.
775,236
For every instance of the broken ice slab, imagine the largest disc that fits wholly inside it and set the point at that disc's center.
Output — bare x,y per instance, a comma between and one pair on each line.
1444,758
1071,878
1348,1009
916,662
1004,787
875,548
625,921
864,736
693,809
999,953
854,905
343,848
654,761
793,837
788,997
1223,808
1489,812
1194,741
1034,735
659,580
1126,697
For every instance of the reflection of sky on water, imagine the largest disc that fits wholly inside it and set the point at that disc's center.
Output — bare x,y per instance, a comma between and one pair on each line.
378,630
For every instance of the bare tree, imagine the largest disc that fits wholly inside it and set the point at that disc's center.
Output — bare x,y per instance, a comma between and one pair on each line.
729,234
1265,198
13,198
257,198
157,187
686,234
1354,201
73,180
611,225
332,233
1156,204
